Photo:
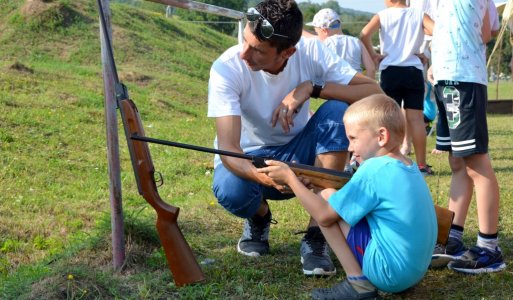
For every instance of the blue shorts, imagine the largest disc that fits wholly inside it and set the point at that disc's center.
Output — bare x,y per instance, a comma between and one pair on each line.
323,133
358,238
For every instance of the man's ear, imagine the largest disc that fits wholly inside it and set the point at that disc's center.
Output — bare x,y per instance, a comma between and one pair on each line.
383,136
288,52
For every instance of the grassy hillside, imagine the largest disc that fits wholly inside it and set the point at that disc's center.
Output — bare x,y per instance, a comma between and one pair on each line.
54,197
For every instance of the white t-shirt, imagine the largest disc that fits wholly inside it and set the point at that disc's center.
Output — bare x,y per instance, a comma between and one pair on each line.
236,90
347,47
401,36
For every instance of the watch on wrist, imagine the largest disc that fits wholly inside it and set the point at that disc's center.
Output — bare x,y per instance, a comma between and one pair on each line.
318,85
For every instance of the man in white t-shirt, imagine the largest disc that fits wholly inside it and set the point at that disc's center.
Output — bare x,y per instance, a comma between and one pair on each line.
328,27
259,96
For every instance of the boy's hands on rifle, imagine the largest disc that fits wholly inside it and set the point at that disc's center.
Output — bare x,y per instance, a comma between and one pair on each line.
282,174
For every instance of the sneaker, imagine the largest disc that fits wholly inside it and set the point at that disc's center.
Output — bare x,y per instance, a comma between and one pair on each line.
343,290
479,260
426,170
255,236
315,255
442,255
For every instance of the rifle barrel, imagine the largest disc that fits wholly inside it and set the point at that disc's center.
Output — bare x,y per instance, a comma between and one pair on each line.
238,155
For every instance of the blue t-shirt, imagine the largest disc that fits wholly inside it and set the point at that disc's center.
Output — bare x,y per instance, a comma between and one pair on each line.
397,204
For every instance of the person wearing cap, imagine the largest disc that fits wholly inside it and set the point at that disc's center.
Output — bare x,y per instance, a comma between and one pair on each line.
258,94
328,27
401,32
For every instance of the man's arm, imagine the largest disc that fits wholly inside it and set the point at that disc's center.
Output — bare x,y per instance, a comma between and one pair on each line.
359,87
228,138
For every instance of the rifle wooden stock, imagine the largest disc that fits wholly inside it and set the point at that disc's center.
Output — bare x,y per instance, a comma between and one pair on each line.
321,180
180,258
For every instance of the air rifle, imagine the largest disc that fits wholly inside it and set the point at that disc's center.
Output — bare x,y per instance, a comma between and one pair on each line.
319,177
180,257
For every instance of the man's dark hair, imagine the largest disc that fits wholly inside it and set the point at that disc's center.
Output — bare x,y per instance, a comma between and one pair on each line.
286,19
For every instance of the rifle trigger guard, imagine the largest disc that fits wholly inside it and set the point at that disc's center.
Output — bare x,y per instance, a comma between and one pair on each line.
159,180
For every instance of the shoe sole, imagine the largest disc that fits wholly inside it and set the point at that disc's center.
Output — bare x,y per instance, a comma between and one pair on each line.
250,254
441,260
318,271
490,269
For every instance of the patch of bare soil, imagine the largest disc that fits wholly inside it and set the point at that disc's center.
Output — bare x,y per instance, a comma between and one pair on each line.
21,68
135,78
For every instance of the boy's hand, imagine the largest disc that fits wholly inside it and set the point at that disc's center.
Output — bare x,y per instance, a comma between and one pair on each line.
279,173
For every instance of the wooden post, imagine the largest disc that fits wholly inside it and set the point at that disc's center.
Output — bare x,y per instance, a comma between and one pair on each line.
111,124
498,70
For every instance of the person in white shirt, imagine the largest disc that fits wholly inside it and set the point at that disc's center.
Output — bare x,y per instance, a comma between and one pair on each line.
401,31
328,27
259,95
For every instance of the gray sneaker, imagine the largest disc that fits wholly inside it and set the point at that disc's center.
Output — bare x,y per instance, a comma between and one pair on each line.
255,236
315,254
442,255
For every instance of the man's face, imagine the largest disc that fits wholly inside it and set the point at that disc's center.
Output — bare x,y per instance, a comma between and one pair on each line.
259,55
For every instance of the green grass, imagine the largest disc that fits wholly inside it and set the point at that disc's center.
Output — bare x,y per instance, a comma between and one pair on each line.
500,90
54,204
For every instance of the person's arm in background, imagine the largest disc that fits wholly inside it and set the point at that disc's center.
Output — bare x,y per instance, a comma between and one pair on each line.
428,24
495,26
368,63
308,34
366,35
486,32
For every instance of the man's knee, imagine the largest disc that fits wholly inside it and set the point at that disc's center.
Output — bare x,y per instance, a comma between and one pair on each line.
238,196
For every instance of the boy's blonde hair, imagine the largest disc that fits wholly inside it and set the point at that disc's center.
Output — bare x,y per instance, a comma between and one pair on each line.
376,111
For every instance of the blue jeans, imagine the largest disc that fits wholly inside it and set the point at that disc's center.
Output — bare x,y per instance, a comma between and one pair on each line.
323,133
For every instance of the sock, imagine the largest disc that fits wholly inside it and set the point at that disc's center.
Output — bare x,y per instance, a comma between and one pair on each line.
361,284
488,241
456,232
262,220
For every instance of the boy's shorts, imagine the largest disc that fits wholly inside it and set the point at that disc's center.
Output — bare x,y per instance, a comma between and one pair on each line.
405,85
358,238
462,127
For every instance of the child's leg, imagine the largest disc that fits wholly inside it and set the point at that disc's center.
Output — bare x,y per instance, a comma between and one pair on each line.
336,237
460,193
417,130
483,177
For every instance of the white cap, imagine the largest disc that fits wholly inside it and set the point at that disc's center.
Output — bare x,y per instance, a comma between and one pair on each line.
324,18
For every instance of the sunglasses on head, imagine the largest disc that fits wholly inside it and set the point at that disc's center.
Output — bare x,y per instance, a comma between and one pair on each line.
266,29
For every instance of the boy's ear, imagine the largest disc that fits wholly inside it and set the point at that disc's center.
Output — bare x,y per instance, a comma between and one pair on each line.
383,136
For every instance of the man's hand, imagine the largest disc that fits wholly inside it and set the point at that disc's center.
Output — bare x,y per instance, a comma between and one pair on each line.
290,106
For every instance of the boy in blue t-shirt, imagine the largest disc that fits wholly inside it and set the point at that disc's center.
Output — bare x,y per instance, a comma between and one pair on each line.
382,224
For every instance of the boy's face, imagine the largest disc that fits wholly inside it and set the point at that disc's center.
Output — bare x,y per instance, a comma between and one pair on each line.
259,55
363,141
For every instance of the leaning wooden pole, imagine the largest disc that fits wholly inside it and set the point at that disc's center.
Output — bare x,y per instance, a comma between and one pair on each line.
111,124
203,7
